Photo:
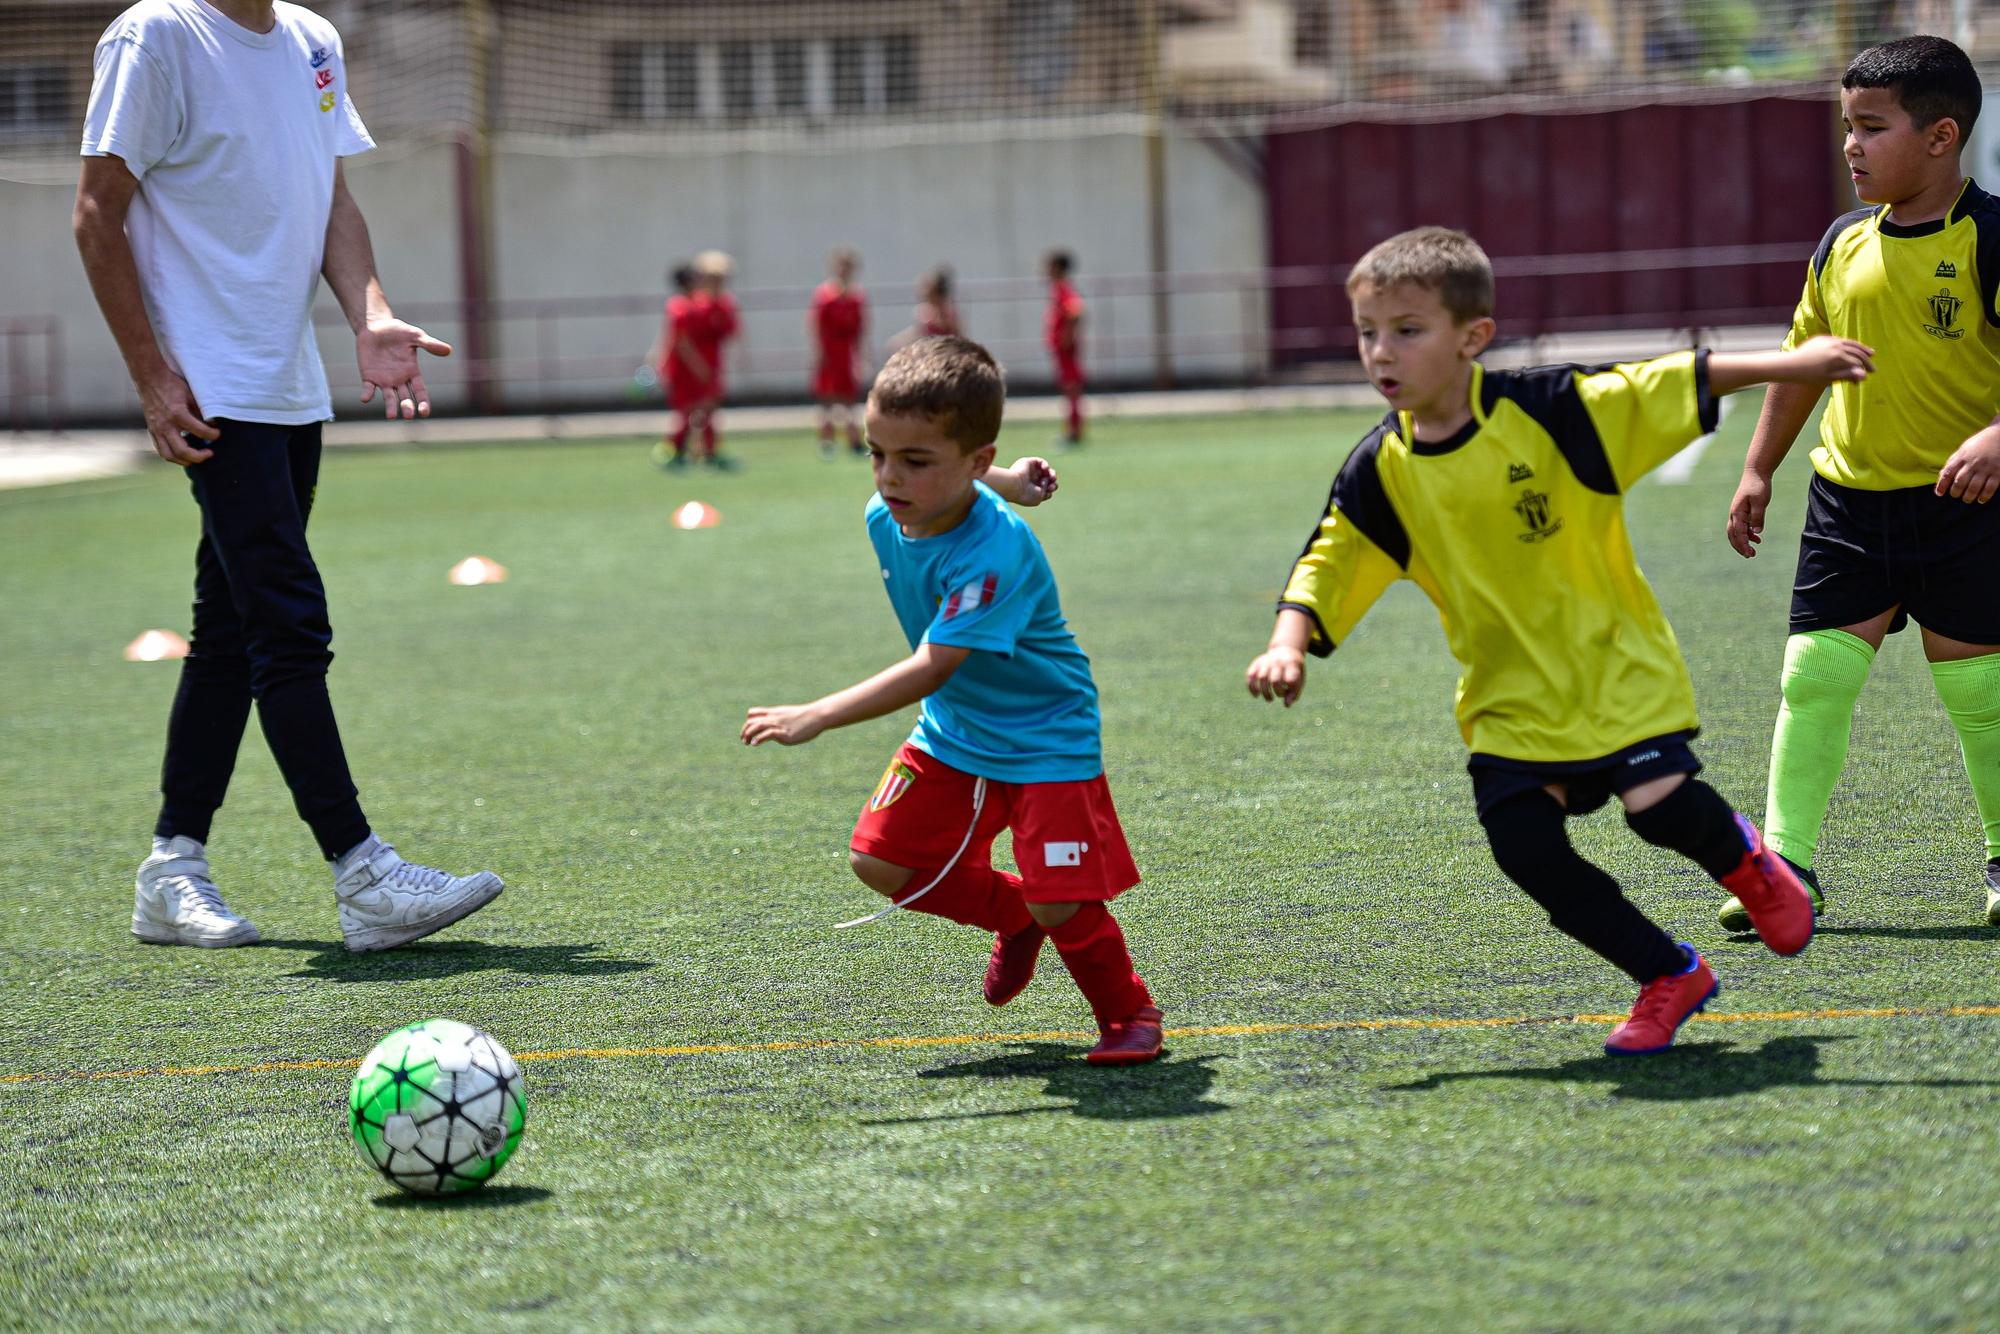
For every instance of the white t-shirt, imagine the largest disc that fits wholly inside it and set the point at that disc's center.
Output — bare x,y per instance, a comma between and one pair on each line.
233,136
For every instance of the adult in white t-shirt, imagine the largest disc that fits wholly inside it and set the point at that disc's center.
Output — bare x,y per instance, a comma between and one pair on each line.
211,203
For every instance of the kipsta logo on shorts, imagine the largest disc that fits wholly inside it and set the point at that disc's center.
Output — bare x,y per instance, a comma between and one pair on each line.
1064,854
1944,315
1533,507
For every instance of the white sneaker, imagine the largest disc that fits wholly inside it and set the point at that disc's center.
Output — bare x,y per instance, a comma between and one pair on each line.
386,901
175,902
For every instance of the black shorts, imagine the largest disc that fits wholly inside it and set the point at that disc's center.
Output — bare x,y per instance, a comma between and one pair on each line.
1590,783
1934,558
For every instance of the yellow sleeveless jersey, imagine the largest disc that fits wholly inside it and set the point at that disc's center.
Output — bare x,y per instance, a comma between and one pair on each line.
1515,529
1924,297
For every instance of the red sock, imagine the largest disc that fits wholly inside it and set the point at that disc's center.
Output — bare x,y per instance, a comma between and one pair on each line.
708,438
1075,398
826,431
1093,949
974,895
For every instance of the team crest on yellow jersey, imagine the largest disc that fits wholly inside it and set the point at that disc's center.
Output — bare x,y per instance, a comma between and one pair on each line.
896,780
1944,315
1533,507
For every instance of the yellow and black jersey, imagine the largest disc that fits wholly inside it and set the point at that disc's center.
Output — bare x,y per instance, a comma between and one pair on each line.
1926,297
1515,529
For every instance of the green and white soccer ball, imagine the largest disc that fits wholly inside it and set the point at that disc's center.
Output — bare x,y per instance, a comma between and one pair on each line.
437,1107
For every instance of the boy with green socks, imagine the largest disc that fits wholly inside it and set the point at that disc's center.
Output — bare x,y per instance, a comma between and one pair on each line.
1897,525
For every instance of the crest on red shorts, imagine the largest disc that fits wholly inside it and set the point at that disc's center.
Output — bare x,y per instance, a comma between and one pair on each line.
896,780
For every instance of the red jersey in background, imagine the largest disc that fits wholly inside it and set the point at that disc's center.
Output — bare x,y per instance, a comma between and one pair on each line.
1063,320
688,385
934,318
839,318
711,323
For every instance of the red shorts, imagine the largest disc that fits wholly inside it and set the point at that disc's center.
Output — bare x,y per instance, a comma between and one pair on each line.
687,394
1067,840
835,381
1069,369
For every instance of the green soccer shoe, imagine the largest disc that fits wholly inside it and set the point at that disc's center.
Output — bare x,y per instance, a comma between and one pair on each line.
1735,918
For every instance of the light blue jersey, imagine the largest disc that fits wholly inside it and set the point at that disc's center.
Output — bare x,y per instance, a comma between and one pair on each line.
1022,708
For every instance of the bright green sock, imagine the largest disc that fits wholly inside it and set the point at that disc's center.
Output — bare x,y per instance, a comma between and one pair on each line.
1824,673
1970,690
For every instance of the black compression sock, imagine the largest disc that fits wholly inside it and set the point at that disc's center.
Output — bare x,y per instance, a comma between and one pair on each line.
1696,822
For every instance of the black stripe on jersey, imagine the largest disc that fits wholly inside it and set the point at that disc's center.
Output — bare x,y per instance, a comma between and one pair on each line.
1548,395
1707,407
1840,224
1984,210
1359,494
1322,645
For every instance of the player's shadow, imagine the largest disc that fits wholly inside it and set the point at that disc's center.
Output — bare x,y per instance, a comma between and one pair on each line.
1986,933
1162,1089
1695,1070
330,961
487,1197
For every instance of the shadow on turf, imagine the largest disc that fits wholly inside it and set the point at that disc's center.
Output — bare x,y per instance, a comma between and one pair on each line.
1164,1088
1695,1070
1911,932
425,959
491,1197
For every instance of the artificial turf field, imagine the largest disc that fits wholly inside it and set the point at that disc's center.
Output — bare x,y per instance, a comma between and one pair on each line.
1334,1140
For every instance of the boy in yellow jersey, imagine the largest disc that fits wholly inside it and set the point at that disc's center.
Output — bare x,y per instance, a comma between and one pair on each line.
1500,495
1898,527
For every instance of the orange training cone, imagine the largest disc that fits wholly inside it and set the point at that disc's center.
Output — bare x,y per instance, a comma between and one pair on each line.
694,514
156,646
478,570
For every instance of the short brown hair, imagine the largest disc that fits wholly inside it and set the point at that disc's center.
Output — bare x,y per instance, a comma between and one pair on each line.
1444,261
952,381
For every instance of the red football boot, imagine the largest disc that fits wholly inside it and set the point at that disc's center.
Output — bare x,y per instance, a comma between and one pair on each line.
1012,966
1132,1042
1664,1004
1779,904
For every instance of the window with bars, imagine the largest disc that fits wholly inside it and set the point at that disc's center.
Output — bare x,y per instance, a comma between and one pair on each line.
34,101
745,79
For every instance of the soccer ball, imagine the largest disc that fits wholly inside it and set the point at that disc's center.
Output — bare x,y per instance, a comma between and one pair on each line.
437,1107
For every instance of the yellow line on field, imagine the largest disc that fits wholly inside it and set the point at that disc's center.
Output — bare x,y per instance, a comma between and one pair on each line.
1053,1035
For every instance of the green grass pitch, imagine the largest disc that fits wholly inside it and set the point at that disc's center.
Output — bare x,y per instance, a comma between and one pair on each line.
575,729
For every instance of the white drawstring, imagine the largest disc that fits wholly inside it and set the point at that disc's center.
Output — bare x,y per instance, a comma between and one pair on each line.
978,805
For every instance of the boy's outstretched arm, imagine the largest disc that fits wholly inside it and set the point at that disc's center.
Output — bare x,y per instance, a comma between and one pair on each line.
1024,482
1279,672
1797,379
1972,473
888,690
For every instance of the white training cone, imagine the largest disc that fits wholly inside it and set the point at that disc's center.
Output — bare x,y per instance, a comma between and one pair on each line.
694,514
478,570
156,646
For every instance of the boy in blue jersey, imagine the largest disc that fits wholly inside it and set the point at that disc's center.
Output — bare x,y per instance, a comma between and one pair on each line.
1500,494
1007,735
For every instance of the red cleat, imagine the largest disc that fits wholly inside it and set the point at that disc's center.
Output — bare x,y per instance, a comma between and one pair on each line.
1132,1042
1779,904
1012,966
1664,1004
